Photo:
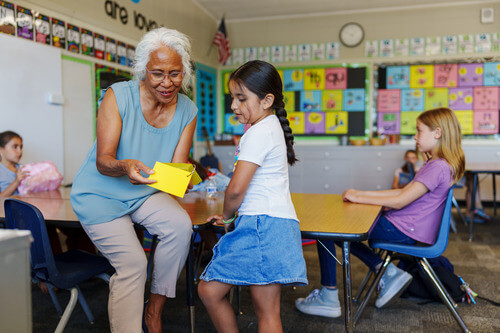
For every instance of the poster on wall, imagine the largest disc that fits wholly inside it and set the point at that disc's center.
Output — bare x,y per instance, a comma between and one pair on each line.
371,48
237,56
450,44
73,38
250,54
291,53
99,45
121,53
277,53
110,50
495,42
320,101
42,29
465,43
318,52
417,46
386,48
264,53
87,44
483,42
304,52
433,46
332,50
7,18
58,33
401,47
24,22
471,90
131,55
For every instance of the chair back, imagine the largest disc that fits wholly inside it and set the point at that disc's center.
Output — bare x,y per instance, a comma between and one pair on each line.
22,215
406,177
432,251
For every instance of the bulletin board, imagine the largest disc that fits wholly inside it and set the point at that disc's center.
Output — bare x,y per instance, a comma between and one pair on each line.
106,76
206,82
320,100
471,90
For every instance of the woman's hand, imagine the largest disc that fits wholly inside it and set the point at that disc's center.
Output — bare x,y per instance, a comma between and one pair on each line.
349,195
133,170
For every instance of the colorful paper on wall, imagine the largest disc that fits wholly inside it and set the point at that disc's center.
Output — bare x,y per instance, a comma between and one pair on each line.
354,100
130,55
445,75
465,118
421,76
465,43
409,122
389,100
450,44
99,45
435,98
291,53
73,38
58,33
304,52
460,98
417,46
232,125
297,122
412,100
483,42
386,48
433,46
492,74
174,178
87,42
42,29
121,53
277,54
486,98
470,75
486,122
7,18
401,47
332,100
24,23
264,53
289,98
371,48
336,78
332,50
318,52
314,79
293,79
310,100
398,77
237,56
337,122
250,54
315,123
110,50
389,123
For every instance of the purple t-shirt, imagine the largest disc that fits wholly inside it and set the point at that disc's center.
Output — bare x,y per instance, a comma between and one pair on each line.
420,220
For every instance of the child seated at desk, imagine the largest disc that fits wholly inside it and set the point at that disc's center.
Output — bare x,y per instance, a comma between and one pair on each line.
406,172
11,172
411,214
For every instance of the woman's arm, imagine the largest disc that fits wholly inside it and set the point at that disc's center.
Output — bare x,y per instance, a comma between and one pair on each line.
9,190
109,128
394,199
237,188
181,152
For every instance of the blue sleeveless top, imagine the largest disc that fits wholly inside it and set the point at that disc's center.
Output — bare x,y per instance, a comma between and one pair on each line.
97,198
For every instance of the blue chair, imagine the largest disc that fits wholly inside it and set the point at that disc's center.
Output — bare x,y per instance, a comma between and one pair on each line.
420,254
406,177
63,271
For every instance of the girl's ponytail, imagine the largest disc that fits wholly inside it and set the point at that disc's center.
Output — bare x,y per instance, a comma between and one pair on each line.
287,131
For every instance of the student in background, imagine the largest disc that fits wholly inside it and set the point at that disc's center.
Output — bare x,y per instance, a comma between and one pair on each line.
220,179
11,172
411,214
411,157
264,251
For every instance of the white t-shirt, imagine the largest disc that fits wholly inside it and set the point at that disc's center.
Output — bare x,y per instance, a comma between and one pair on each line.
269,191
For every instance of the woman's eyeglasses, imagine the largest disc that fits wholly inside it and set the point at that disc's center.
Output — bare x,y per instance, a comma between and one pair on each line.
158,76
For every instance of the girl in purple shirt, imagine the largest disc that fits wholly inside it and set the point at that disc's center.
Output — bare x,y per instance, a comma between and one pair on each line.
412,214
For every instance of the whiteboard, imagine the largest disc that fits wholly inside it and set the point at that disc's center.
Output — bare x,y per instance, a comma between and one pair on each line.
29,73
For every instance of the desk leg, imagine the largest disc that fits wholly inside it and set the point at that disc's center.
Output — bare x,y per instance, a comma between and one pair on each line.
190,284
472,205
347,286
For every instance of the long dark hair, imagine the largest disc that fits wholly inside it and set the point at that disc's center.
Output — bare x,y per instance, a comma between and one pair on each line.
262,78
6,136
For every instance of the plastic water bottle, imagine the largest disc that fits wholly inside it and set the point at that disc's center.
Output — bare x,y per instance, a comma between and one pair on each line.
211,188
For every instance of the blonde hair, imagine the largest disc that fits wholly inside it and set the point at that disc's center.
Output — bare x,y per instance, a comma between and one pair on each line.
450,143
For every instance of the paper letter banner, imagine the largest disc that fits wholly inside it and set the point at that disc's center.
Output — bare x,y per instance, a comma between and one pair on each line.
304,52
389,100
289,98
486,122
130,55
433,46
121,53
297,122
460,98
110,50
371,48
276,53
250,54
398,77
470,75
315,123
58,33
445,75
332,100
174,178
314,79
402,47
465,43
483,43
24,23
332,50
492,74
336,78
389,123
421,76
293,79
412,100
337,122
486,98
7,18
386,48
450,44
99,46
73,39
264,53
42,29
87,42
318,52
417,46
291,53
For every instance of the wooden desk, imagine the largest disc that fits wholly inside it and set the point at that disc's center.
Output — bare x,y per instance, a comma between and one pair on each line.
326,216
475,169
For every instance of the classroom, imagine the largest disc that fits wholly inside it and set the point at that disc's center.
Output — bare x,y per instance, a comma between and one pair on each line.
356,77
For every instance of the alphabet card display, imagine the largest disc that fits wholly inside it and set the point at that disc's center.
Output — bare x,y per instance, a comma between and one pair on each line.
319,100
58,33
7,18
471,90
24,23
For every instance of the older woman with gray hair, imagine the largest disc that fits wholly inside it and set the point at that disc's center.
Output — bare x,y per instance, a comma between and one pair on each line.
139,122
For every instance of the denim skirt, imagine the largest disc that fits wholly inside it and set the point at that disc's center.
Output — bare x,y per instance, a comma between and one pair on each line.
260,250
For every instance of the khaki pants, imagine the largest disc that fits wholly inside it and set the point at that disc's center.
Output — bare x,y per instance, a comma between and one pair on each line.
161,215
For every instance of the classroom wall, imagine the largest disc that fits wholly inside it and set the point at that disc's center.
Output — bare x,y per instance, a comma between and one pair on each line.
437,20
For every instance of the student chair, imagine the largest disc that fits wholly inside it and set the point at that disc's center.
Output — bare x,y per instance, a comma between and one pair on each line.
63,271
420,254
406,177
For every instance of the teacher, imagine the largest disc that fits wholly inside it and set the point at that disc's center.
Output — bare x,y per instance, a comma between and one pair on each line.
140,122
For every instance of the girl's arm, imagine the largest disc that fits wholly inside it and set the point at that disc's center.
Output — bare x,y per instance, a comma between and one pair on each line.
237,188
109,128
20,175
394,199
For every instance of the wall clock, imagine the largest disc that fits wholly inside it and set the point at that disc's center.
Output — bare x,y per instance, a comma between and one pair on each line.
351,34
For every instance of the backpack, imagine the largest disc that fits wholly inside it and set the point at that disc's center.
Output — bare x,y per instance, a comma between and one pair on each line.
422,287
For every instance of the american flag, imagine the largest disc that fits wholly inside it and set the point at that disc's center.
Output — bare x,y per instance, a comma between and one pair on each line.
222,42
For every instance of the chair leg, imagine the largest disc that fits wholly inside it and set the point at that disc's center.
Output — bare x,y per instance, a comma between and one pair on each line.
373,286
453,225
198,260
67,312
455,204
85,306
53,296
363,286
443,293
103,276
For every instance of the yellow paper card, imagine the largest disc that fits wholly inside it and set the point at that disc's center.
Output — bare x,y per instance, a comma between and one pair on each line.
174,178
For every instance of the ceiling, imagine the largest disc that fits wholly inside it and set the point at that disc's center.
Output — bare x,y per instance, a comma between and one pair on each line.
237,10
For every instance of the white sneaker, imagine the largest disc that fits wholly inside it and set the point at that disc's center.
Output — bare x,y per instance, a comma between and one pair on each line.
324,302
393,283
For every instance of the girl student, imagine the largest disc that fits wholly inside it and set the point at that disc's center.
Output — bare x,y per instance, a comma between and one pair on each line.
11,172
411,156
264,251
412,214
